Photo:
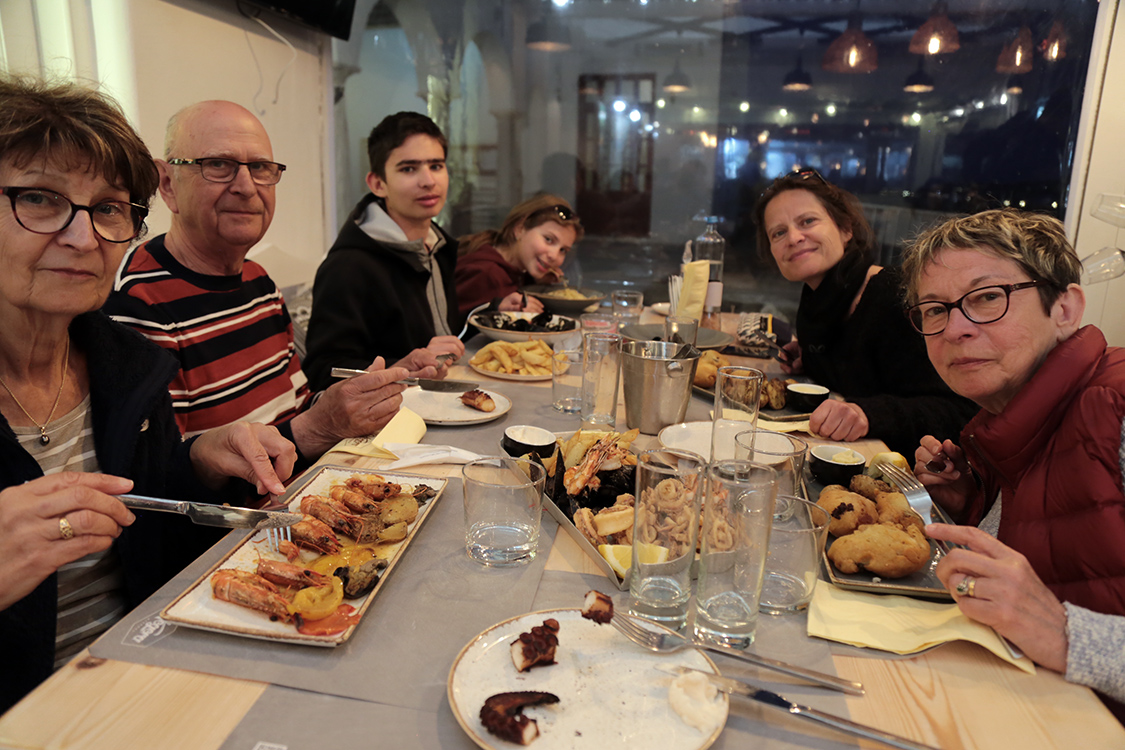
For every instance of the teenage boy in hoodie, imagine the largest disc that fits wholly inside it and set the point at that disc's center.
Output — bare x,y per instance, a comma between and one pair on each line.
386,286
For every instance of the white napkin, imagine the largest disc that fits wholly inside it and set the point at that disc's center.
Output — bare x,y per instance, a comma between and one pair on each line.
410,454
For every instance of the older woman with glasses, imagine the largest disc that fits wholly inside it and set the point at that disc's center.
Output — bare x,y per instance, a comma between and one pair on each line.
529,247
1039,470
853,336
85,412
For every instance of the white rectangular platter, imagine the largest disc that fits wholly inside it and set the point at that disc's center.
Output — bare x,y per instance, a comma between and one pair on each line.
197,608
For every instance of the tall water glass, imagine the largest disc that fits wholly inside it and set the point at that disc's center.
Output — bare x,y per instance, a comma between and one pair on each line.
503,503
566,380
737,390
737,517
666,521
784,452
627,307
601,376
796,543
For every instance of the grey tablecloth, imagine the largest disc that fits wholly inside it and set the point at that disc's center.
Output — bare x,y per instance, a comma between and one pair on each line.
386,686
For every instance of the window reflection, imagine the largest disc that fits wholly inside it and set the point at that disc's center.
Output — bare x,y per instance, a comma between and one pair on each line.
660,111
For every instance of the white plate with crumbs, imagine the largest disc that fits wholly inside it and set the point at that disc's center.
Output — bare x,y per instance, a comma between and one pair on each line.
610,693
439,408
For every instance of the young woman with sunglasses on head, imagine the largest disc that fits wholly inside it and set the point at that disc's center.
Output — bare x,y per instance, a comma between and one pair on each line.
853,335
529,248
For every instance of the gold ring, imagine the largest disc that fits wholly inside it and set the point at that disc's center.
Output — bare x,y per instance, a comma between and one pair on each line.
967,587
65,528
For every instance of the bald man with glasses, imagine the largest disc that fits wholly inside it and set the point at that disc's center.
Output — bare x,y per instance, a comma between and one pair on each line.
193,292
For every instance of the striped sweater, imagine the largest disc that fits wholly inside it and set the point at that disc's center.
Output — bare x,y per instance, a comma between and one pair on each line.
231,334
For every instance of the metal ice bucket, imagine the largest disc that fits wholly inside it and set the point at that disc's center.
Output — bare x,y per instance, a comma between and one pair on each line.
657,377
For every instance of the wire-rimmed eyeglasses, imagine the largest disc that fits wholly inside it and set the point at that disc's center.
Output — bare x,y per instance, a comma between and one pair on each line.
46,212
216,169
986,304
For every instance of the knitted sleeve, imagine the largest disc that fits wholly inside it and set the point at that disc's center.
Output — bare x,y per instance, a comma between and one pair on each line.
1095,654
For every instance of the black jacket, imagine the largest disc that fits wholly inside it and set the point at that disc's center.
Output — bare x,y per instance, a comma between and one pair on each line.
135,436
369,300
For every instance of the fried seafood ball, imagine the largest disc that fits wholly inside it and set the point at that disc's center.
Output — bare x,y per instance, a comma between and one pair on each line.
846,510
894,509
869,487
881,549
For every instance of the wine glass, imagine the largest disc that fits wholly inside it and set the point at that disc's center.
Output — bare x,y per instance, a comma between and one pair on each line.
1103,265
1110,208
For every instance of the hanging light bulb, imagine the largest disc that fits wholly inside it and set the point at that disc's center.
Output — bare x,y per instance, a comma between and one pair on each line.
1054,46
677,81
919,82
797,79
938,35
1016,55
852,51
548,34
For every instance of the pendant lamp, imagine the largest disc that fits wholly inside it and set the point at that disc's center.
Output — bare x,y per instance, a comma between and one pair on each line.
937,35
852,51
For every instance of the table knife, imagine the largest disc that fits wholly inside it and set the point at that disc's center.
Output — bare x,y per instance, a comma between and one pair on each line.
426,384
206,514
741,687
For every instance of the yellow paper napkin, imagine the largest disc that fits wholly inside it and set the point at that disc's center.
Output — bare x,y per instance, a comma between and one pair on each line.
767,424
404,427
898,624
694,290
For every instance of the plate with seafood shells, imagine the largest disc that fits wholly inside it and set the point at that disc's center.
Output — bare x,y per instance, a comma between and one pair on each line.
610,692
251,591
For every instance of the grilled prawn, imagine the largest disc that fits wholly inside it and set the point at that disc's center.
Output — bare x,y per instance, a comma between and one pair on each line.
287,574
249,590
314,534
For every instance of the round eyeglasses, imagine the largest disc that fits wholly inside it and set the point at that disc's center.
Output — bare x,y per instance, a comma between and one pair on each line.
215,169
986,304
47,212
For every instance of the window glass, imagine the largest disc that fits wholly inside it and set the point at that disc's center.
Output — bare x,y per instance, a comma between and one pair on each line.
664,111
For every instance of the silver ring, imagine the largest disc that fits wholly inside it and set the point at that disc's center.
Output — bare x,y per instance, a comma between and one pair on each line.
967,587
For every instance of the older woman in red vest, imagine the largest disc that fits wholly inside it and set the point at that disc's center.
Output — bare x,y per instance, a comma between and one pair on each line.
1037,476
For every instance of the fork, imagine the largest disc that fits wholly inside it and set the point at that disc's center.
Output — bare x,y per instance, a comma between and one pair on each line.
274,538
667,642
914,490
469,317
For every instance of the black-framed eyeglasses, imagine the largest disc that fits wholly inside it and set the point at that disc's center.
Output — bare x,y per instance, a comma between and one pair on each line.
46,212
216,169
986,304
563,212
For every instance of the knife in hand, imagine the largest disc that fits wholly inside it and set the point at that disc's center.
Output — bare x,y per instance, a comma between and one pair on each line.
741,687
206,514
426,384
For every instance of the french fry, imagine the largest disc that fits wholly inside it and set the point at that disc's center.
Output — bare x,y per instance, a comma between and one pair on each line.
523,358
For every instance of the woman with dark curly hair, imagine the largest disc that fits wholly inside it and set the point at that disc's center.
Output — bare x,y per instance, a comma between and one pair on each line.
852,333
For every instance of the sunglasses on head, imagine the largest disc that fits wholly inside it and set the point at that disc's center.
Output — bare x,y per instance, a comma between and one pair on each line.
807,173
561,211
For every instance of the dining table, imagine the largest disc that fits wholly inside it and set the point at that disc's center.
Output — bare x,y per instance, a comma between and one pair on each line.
150,683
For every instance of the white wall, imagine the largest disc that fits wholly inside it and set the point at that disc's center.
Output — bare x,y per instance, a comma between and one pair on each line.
1102,172
158,56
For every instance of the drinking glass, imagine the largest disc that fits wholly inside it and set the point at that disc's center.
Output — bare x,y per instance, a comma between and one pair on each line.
680,329
627,307
601,375
737,390
796,542
503,503
737,518
566,380
785,453
1110,208
598,323
1103,265
666,521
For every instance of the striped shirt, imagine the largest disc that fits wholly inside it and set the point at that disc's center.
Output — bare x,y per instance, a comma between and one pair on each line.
232,336
91,589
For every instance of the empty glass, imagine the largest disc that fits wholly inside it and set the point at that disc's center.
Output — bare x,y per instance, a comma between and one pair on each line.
737,390
503,503
737,518
1103,265
627,307
785,453
796,542
666,521
566,380
601,371
680,329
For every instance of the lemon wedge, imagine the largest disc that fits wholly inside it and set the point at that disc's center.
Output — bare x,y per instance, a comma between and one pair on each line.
317,602
896,459
620,556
